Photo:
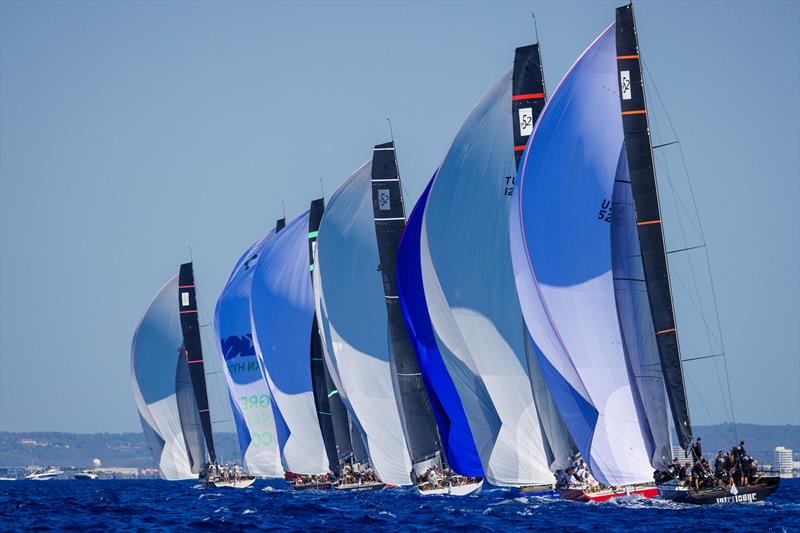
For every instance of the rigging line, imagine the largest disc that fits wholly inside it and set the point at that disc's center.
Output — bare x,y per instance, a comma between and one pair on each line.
665,144
702,236
686,249
702,357
710,416
535,27
696,307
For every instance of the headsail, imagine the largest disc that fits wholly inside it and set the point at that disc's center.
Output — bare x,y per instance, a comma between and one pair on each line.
353,318
469,284
648,216
250,399
561,246
454,430
282,314
158,370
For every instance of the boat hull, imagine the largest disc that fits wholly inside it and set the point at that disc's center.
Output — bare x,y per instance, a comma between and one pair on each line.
243,483
313,486
586,495
539,490
749,494
358,487
453,490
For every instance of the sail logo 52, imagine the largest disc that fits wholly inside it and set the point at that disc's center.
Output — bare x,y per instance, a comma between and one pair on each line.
625,84
525,116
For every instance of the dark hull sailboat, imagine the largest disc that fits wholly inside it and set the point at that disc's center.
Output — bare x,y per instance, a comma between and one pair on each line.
752,493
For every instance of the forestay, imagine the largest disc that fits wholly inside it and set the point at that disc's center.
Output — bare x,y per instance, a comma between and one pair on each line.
561,243
250,399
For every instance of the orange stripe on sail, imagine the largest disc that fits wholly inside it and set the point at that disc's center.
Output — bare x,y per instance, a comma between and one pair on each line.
637,112
519,148
648,222
634,56
665,331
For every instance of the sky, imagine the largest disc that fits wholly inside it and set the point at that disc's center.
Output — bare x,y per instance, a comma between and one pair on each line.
131,131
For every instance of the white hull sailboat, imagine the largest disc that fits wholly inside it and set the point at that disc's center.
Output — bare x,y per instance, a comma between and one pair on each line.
50,473
463,489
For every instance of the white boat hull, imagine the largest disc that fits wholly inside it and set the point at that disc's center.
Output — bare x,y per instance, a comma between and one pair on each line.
243,483
453,490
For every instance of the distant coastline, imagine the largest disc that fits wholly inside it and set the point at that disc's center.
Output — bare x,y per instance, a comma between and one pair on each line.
77,450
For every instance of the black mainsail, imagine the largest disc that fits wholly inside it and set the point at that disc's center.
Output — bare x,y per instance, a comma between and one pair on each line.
648,217
388,210
324,393
527,94
193,351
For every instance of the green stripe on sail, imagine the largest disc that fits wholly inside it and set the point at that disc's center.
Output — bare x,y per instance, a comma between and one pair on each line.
311,268
312,234
331,393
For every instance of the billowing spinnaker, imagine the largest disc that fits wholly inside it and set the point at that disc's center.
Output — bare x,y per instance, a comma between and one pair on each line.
282,313
353,319
469,287
453,427
250,399
561,246
155,363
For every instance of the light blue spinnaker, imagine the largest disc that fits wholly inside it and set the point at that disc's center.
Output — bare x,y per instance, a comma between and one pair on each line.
560,230
282,314
250,399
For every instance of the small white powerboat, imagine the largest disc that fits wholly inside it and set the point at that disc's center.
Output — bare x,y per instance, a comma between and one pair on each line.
43,475
86,474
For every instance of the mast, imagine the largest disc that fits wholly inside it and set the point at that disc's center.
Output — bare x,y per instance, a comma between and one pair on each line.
319,377
648,217
193,351
390,221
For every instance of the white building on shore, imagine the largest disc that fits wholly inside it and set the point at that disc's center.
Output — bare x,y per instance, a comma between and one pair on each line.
783,461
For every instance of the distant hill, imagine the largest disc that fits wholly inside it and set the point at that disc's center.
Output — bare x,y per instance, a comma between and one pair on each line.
130,449
78,450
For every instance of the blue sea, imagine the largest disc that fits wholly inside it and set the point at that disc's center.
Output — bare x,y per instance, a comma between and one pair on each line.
170,506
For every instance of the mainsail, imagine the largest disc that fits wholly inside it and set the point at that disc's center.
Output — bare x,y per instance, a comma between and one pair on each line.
648,216
331,411
469,282
282,314
353,320
390,221
193,351
249,395
163,391
561,246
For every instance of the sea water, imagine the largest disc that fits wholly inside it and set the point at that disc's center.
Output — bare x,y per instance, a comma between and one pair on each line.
270,505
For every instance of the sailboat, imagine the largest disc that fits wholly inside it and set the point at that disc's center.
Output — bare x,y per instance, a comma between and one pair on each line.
591,270
365,340
169,385
250,399
282,316
472,343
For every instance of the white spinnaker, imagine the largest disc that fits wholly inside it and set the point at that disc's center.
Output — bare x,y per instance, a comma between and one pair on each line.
282,314
154,359
469,287
353,321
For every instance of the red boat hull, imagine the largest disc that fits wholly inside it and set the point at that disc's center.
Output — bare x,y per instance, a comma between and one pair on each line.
581,495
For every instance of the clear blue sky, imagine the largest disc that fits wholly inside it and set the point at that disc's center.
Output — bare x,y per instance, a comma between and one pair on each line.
131,130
